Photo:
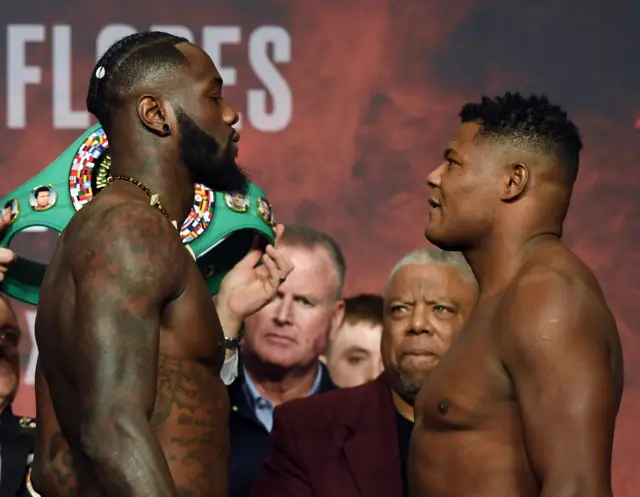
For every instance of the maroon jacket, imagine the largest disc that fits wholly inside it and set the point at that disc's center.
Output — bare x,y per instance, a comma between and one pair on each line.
342,443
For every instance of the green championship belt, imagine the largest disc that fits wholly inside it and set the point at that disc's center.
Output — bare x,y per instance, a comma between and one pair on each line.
220,228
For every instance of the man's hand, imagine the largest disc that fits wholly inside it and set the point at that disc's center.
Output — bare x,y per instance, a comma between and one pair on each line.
6,255
247,288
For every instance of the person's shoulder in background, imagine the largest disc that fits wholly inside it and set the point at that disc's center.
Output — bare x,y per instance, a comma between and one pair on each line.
333,406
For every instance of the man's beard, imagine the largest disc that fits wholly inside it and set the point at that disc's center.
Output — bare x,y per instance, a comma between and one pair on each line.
411,385
203,157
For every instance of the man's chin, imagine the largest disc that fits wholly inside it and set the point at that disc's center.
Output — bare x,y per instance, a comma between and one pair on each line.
432,235
442,240
411,383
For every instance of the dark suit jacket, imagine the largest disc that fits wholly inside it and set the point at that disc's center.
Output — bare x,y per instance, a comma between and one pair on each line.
249,439
339,444
17,437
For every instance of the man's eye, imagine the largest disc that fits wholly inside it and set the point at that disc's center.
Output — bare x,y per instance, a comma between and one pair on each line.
443,309
8,337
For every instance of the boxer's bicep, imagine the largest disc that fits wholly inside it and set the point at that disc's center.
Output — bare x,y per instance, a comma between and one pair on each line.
557,355
125,279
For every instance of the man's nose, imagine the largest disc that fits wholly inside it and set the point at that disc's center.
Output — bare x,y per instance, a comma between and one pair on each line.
434,177
230,116
283,315
419,322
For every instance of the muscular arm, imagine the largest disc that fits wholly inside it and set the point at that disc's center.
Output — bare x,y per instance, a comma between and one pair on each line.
124,279
282,474
557,347
52,471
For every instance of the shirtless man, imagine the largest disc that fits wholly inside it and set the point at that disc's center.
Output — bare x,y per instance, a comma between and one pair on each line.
130,344
524,403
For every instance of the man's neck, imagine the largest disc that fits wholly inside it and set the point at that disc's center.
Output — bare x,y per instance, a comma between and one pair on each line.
499,258
159,170
280,385
404,408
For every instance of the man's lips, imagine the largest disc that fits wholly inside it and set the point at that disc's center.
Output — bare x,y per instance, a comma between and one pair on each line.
419,352
279,337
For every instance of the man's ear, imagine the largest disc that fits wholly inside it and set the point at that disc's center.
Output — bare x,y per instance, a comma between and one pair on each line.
515,183
153,115
338,316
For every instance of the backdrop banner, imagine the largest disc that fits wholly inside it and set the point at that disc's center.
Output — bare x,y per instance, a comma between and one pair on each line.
346,106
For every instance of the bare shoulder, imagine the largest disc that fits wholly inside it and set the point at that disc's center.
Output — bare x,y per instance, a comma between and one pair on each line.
557,298
125,241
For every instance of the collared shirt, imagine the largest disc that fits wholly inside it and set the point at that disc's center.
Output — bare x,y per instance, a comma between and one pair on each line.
263,408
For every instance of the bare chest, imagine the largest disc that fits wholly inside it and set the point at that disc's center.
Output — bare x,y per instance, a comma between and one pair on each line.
469,386
191,328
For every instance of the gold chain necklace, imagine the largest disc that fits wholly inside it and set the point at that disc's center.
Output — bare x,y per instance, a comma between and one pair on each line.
154,201
154,198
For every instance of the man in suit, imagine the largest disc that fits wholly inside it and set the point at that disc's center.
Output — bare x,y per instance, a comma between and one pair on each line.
16,433
354,442
281,348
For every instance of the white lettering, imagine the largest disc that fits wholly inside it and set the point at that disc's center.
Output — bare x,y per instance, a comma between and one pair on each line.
212,40
64,117
30,370
273,81
19,74
269,105
177,30
109,35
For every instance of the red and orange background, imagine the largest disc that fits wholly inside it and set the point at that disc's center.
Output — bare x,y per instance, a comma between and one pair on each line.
375,87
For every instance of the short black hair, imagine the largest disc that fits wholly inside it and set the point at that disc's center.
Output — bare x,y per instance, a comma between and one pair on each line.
531,122
9,204
40,190
136,60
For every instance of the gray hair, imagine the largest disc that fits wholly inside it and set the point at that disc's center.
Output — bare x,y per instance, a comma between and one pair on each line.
297,235
438,257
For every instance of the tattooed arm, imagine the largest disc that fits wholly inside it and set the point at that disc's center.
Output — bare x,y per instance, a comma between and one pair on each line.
52,471
124,280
